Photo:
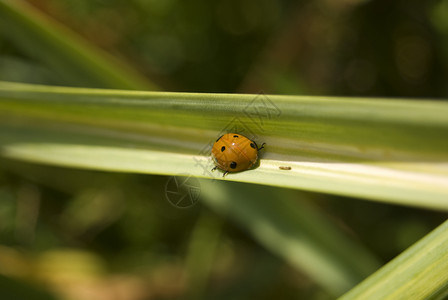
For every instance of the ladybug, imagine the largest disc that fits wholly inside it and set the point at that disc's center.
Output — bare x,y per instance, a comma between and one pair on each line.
234,152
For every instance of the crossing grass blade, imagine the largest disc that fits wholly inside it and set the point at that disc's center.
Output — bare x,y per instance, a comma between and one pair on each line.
418,273
72,59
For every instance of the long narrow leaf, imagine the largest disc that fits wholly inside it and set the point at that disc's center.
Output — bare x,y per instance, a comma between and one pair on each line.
381,149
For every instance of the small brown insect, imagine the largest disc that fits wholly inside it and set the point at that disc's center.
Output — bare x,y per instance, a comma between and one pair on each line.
284,168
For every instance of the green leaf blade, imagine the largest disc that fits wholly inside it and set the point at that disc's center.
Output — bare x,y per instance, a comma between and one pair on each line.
417,273
389,150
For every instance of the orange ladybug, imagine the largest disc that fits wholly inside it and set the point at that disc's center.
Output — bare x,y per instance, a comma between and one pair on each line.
234,152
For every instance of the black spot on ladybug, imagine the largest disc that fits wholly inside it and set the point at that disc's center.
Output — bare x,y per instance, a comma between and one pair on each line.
252,145
223,148
235,136
233,165
219,138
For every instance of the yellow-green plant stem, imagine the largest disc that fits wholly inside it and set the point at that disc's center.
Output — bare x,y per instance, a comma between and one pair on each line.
419,273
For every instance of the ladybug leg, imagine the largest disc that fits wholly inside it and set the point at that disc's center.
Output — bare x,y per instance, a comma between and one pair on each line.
262,146
225,173
214,169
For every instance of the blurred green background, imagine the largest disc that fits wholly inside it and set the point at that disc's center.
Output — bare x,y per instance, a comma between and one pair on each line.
93,235
343,47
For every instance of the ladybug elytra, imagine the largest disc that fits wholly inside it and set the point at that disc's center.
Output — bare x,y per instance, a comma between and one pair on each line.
234,152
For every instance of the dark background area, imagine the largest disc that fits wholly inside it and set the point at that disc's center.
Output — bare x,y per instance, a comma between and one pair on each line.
346,47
